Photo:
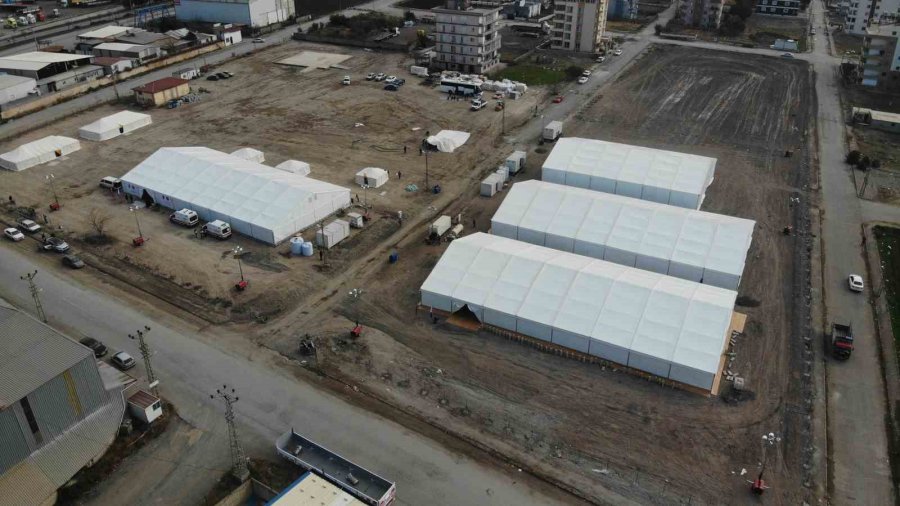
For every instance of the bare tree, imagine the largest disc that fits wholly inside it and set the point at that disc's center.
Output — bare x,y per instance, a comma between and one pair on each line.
98,221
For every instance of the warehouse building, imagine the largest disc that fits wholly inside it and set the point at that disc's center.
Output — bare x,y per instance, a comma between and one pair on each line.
14,88
252,13
661,325
159,92
56,414
689,244
259,201
667,177
135,52
52,71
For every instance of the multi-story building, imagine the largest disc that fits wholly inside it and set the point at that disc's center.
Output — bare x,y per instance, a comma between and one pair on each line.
622,9
778,7
578,25
861,14
706,14
880,58
56,413
466,39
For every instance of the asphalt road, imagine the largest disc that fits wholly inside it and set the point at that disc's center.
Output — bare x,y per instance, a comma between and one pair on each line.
192,362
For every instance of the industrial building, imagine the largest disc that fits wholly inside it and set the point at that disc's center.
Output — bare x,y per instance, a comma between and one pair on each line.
578,25
258,201
52,71
668,327
113,65
667,177
56,413
311,489
159,92
466,40
14,88
135,52
251,13
685,243
108,32
114,125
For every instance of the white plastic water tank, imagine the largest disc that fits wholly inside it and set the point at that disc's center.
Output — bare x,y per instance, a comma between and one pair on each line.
296,246
307,249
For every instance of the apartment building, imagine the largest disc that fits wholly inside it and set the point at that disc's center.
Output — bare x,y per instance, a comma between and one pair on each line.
622,9
861,14
778,7
880,59
466,39
578,25
706,14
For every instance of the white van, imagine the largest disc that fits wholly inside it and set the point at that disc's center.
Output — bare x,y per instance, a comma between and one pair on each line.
218,229
111,183
185,217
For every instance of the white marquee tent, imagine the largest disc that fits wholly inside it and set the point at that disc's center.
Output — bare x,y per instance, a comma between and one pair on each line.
694,245
114,125
665,326
376,177
666,177
254,155
294,167
38,152
258,201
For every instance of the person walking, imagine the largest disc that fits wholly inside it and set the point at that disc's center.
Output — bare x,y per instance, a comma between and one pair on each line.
399,175
404,150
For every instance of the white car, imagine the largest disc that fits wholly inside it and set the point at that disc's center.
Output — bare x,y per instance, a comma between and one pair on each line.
14,234
601,59
379,76
390,79
345,81
582,80
617,52
28,225
586,73
370,76
855,282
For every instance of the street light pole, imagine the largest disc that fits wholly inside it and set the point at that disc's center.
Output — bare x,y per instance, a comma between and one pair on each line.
238,251
426,170
35,294
50,178
356,293
136,221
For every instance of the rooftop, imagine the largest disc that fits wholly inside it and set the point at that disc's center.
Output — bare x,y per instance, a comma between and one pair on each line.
7,80
119,46
313,490
103,33
36,60
105,61
163,84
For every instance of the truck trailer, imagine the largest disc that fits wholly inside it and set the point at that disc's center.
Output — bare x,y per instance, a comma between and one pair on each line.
841,340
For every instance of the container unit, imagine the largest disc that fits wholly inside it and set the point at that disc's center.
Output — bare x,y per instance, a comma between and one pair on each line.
552,131
372,177
440,226
356,220
491,185
333,233
516,162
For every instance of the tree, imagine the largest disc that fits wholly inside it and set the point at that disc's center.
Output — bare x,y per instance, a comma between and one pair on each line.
98,219
422,38
733,25
853,157
574,72
658,28
409,16
864,163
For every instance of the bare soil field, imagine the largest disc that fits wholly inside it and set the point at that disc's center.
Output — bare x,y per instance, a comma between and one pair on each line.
288,113
592,429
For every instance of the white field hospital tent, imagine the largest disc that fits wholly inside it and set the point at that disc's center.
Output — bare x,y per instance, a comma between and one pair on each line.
666,177
254,155
372,176
114,125
294,167
689,244
38,152
262,202
665,326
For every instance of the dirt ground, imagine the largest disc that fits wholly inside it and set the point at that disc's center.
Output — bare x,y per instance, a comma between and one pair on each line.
286,113
592,428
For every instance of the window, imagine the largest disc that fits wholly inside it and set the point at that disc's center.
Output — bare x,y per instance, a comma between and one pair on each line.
32,421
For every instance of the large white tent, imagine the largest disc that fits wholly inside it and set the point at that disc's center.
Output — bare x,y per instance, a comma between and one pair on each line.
114,125
694,245
38,152
258,201
666,177
665,326
295,167
373,177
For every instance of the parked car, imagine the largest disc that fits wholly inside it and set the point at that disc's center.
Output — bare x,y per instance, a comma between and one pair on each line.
855,282
557,99
73,262
122,360
96,346
229,74
399,81
223,75
617,52
582,80
390,79
259,40
213,77
370,76
55,244
28,225
345,81
601,59
787,55
14,234
380,76
391,87
586,73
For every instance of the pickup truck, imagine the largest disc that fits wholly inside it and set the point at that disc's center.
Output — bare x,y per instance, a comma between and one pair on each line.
841,340
478,104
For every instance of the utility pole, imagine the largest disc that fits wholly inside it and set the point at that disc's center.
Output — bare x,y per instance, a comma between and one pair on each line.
426,171
238,460
35,294
50,178
323,250
758,486
356,293
136,221
145,354
237,252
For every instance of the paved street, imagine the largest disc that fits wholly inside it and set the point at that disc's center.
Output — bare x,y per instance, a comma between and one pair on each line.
192,362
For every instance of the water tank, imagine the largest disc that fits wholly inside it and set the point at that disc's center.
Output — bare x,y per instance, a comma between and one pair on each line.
307,249
296,246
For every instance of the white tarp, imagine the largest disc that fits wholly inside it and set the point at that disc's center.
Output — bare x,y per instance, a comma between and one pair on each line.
372,176
666,177
694,245
666,326
258,201
114,125
446,141
254,155
38,152
294,167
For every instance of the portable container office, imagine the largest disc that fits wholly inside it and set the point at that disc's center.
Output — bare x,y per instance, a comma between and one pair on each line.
373,177
516,162
552,130
333,233
491,185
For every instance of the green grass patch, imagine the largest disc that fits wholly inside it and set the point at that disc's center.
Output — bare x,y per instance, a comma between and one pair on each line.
889,248
532,75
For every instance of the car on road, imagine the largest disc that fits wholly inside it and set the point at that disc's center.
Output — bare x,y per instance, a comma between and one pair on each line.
212,78
370,76
223,75
586,73
601,59
617,52
122,360
259,40
14,234
557,99
787,55
28,225
55,244
96,346
855,282
345,81
582,80
391,87
380,76
73,261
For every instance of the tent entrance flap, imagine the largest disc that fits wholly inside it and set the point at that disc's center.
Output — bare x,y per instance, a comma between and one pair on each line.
465,318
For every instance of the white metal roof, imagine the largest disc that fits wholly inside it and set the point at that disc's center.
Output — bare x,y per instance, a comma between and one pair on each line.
676,321
103,33
37,60
654,172
590,222
113,125
37,152
119,46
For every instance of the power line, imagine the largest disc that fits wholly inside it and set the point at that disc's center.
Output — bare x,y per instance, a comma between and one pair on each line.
238,458
35,294
145,354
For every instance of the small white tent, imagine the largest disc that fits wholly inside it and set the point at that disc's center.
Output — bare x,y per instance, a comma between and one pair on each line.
372,176
294,167
114,125
38,152
254,155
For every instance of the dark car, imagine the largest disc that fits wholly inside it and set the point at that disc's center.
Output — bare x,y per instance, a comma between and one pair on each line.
96,346
224,75
122,360
55,244
399,82
73,262
212,78
392,87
